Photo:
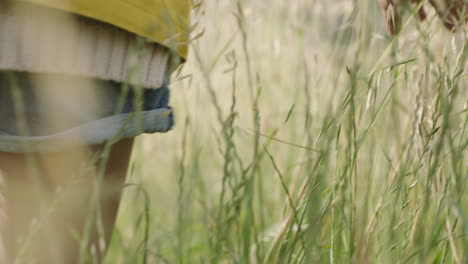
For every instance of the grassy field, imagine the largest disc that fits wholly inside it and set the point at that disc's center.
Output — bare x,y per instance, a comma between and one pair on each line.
306,135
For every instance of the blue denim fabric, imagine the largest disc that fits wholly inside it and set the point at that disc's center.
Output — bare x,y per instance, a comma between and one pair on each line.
153,110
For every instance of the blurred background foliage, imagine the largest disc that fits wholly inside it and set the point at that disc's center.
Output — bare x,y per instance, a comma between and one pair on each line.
306,135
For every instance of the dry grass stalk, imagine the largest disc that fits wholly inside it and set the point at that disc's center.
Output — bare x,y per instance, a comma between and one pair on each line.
453,13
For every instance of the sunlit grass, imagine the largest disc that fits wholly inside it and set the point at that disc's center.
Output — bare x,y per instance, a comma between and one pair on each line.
306,135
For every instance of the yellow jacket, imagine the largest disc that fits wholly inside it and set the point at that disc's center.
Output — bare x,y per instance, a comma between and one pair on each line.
164,21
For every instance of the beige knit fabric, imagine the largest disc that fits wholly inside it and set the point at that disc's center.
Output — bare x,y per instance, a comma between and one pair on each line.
45,40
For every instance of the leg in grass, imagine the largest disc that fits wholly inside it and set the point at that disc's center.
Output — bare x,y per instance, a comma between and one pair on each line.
47,198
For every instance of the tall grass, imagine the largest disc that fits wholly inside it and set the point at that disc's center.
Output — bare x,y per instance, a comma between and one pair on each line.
306,135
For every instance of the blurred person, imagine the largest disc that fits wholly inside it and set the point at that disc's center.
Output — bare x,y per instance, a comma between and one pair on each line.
76,77
453,13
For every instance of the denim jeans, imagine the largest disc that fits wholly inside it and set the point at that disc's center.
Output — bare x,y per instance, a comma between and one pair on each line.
42,112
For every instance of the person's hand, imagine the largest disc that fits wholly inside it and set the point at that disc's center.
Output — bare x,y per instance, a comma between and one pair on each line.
451,12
